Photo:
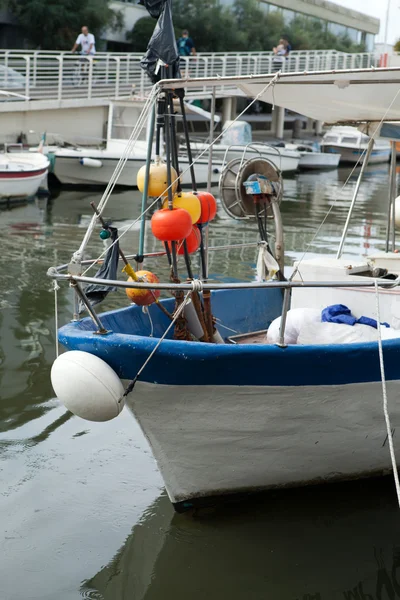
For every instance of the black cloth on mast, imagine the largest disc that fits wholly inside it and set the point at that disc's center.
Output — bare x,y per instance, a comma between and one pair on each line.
108,270
162,46
154,7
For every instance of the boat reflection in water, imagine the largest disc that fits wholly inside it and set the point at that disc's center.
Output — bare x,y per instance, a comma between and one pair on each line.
309,544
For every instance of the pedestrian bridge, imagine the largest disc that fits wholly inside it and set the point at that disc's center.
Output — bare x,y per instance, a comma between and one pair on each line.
43,80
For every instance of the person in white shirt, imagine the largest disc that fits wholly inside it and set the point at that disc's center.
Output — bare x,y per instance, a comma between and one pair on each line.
86,41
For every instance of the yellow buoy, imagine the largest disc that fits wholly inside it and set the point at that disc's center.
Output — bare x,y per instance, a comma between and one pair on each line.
189,202
158,181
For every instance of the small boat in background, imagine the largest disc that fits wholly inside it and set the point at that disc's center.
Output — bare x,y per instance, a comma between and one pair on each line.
352,145
22,174
237,142
313,158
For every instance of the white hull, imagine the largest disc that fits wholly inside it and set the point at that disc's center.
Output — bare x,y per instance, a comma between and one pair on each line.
69,170
217,440
286,161
355,154
25,187
318,160
21,174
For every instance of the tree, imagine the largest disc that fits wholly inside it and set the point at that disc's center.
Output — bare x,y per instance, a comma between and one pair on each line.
55,24
245,26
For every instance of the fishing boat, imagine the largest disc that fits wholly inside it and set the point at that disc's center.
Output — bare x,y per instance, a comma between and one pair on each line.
229,398
90,166
21,174
351,144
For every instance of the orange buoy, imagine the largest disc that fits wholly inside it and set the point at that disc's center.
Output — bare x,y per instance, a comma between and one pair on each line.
143,297
189,201
171,225
158,179
208,207
192,241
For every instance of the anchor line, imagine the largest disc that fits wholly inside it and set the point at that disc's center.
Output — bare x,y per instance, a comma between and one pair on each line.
385,398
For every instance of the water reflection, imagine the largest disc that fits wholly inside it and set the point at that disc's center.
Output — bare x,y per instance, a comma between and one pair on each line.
339,541
72,490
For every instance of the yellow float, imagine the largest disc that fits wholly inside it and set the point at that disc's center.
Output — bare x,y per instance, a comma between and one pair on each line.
188,201
158,180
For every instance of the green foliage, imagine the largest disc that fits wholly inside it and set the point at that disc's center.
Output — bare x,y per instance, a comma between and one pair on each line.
396,47
245,26
55,24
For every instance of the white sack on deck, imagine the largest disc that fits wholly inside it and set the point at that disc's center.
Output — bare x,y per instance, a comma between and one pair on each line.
296,319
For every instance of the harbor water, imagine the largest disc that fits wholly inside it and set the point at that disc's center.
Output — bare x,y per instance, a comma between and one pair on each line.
83,510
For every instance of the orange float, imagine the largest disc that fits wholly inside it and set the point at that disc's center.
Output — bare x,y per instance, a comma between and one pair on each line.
208,207
171,225
192,242
143,297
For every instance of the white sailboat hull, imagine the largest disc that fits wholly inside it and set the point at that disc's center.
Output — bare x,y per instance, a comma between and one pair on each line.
217,440
69,170
318,160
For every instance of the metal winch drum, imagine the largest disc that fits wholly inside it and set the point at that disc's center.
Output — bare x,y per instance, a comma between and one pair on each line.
239,201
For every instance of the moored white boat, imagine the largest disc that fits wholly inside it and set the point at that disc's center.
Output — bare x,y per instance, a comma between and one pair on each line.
245,415
311,159
351,144
22,173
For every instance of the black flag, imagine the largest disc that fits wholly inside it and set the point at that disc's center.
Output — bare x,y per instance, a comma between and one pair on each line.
162,46
108,270
154,7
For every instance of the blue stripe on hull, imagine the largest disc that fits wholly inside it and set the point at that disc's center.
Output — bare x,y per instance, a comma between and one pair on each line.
193,363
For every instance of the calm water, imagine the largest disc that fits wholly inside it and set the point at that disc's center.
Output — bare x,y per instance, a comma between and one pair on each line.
82,506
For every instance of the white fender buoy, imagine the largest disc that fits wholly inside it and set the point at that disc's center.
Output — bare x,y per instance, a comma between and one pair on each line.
397,211
90,162
87,386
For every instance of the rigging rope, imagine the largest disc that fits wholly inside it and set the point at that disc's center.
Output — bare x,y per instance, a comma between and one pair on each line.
385,399
146,362
374,135
56,287
104,199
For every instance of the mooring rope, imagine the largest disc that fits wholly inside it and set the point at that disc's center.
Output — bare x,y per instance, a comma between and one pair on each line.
385,398
56,287
148,359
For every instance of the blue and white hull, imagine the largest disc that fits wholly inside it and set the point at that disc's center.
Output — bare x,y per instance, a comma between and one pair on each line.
225,419
218,440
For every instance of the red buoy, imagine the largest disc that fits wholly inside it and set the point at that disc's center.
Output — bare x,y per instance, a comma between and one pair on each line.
208,207
140,296
192,242
171,225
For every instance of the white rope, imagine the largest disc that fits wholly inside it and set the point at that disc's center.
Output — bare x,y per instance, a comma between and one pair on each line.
197,285
146,362
385,399
146,311
118,169
55,288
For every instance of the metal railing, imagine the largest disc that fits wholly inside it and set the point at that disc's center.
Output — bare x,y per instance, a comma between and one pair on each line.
47,75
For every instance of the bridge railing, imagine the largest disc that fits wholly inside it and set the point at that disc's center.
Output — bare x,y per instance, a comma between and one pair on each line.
47,75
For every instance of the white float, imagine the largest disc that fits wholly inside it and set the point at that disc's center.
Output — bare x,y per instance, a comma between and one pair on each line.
87,386
397,211
91,162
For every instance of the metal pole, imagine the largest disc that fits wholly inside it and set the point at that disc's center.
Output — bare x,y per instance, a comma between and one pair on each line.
285,308
393,192
89,307
146,183
210,151
346,226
